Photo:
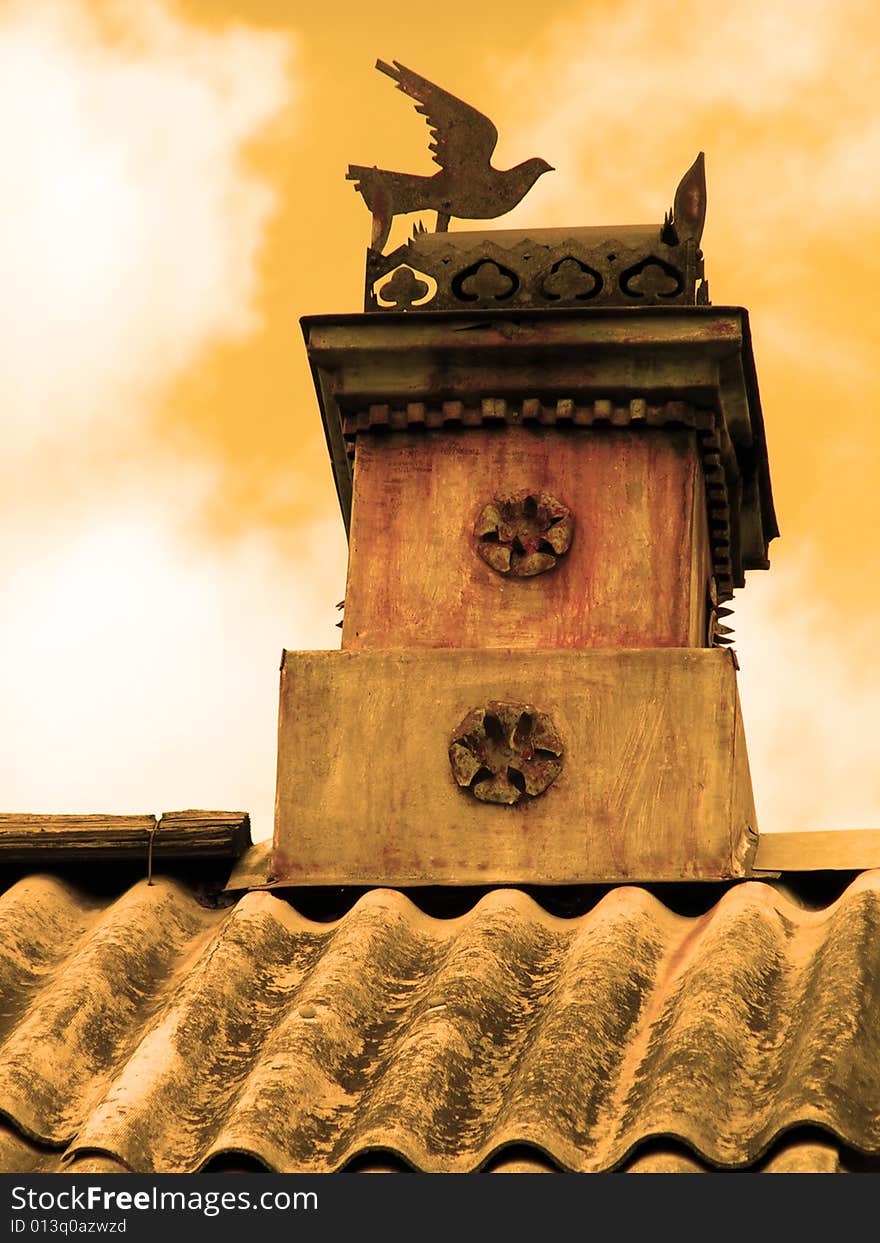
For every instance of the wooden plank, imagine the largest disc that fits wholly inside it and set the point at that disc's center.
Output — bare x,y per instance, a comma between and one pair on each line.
629,578
179,834
836,850
652,786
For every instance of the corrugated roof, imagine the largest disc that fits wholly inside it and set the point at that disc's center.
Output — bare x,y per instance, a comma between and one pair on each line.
796,1155
152,1031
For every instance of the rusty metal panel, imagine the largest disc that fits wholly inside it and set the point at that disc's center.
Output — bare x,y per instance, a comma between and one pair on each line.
421,573
720,475
165,1036
533,269
434,368
651,786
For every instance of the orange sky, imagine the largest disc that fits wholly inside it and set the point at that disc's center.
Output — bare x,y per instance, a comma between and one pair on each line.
174,199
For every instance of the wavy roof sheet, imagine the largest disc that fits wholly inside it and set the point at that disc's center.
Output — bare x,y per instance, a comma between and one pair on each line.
153,1033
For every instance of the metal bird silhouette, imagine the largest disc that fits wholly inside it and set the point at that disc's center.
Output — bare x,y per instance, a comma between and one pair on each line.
467,185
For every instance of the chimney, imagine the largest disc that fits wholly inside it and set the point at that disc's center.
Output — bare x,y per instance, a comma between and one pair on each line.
549,454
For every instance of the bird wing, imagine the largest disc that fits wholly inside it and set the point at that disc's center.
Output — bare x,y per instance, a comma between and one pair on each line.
461,135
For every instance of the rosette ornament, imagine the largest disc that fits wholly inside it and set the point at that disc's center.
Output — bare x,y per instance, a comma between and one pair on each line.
503,752
524,533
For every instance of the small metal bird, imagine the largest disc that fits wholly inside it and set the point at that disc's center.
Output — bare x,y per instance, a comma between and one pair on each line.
467,185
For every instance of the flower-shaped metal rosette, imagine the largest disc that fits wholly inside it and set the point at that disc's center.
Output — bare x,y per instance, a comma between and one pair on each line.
505,751
524,533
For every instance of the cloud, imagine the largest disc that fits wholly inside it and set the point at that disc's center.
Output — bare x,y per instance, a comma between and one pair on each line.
144,674
141,666
779,91
129,226
811,701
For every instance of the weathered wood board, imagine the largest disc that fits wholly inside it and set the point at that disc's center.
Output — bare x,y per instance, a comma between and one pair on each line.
654,782
635,575
178,834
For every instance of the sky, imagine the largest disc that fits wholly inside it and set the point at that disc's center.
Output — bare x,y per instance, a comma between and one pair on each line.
173,199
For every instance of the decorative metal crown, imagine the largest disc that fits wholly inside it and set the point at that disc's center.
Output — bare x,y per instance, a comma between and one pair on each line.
632,265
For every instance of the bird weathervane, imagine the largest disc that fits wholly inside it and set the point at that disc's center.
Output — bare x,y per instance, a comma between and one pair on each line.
467,186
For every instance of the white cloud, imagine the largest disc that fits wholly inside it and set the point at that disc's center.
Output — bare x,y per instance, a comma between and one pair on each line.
142,672
129,229
811,701
141,665
779,91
